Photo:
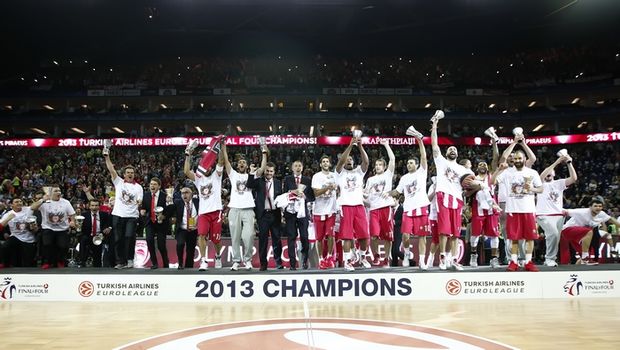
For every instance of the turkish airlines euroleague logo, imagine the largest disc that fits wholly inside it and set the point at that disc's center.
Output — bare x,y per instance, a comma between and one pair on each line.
453,287
327,334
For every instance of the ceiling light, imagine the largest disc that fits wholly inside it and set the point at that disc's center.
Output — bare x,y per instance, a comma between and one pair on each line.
198,128
540,126
581,125
163,106
38,131
389,105
600,102
350,104
239,129
48,107
492,105
2,132
118,130
428,105
532,104
79,131
575,100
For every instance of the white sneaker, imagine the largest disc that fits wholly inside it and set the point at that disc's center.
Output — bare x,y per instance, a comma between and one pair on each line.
448,263
551,263
218,262
494,263
442,264
248,265
348,266
203,266
235,266
430,261
456,266
365,263
406,262
423,266
473,260
130,264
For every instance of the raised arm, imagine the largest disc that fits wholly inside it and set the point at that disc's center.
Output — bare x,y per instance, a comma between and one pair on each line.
227,165
110,166
495,159
548,169
507,151
344,156
187,167
500,169
572,173
391,157
263,163
531,157
434,144
423,160
364,155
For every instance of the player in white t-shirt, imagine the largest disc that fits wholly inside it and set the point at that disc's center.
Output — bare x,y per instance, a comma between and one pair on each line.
549,206
324,212
128,198
241,215
353,221
209,226
579,229
20,247
432,221
522,183
381,214
415,207
57,216
449,194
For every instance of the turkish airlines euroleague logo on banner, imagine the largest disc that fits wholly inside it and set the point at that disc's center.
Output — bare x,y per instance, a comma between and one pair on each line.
328,334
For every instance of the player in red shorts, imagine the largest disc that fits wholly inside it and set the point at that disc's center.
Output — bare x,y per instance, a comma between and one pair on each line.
209,224
522,184
353,221
579,229
449,192
432,220
415,208
324,212
484,216
378,188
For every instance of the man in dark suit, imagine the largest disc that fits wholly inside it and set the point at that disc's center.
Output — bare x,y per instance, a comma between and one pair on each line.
293,222
156,227
266,188
95,222
185,212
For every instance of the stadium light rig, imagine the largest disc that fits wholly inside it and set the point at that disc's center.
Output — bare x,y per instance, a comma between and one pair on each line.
38,131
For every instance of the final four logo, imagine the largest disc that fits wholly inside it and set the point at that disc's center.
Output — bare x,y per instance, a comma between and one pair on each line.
7,289
573,286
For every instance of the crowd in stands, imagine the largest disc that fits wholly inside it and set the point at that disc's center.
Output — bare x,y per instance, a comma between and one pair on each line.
538,67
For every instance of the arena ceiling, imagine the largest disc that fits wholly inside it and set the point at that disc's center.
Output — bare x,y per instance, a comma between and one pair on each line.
36,30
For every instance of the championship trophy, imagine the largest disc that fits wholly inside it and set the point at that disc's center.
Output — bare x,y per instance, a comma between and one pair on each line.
48,191
107,144
492,133
98,239
411,131
438,115
158,211
518,132
262,141
191,146
79,221
210,154
564,153
169,195
31,221
357,134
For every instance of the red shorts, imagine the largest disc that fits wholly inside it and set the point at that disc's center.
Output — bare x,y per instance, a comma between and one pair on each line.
521,226
434,231
210,225
416,225
353,223
575,233
448,220
382,223
324,226
487,225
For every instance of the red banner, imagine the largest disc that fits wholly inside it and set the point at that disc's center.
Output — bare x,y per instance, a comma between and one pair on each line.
293,140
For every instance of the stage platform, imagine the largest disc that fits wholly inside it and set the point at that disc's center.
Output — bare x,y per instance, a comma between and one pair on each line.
218,285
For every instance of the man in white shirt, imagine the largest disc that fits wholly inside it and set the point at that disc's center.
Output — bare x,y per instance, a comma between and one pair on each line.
209,188
354,221
549,206
57,216
241,215
579,229
20,247
415,207
128,198
378,189
324,213
522,183
449,194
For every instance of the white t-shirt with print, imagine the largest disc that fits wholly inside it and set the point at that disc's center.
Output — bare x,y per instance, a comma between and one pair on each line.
324,204
582,217
551,200
128,195
56,214
209,190
240,195
518,200
449,175
376,186
413,186
351,185
19,225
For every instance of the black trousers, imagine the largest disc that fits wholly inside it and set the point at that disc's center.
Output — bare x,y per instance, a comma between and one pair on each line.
18,254
55,246
293,226
155,230
89,249
124,238
186,241
270,222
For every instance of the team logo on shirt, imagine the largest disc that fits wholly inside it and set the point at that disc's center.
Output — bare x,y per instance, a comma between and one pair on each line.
378,187
350,183
517,188
412,188
554,196
240,186
451,175
56,219
206,191
128,198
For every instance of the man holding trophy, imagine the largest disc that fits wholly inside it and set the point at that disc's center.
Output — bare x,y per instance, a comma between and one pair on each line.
208,182
156,225
301,187
57,217
128,196
94,226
